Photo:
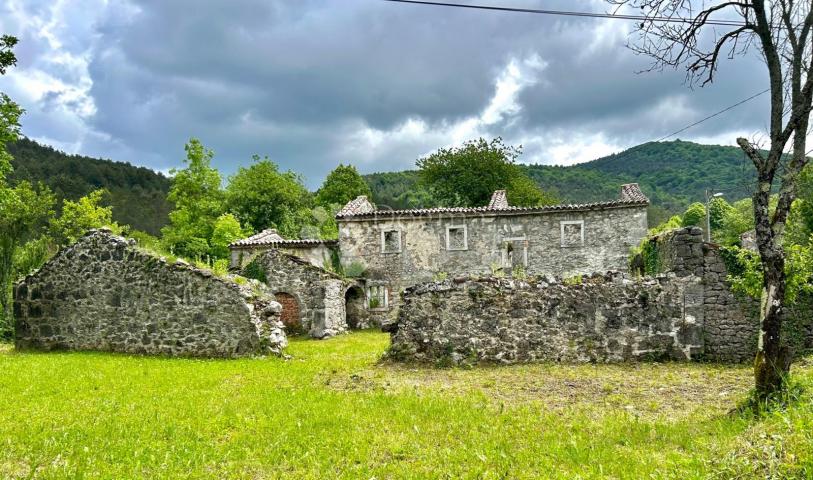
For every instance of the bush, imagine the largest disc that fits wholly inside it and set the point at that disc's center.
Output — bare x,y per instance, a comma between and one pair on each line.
355,270
695,215
256,271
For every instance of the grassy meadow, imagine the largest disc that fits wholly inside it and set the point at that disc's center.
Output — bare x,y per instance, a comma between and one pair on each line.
334,411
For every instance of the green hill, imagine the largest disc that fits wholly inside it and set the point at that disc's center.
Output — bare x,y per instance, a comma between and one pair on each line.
672,174
137,194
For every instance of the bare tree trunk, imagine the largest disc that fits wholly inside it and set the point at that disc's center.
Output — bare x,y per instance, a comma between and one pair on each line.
772,362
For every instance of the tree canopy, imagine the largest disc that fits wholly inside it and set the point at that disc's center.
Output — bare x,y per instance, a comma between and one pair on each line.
261,197
198,201
467,175
341,185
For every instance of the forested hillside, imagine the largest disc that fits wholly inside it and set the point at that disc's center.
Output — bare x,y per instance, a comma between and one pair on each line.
673,175
137,194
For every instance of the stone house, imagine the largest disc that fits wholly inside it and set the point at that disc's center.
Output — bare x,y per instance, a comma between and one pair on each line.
395,249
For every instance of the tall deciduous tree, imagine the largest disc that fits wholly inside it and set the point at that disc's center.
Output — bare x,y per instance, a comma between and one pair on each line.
23,208
469,174
261,196
781,31
342,185
198,199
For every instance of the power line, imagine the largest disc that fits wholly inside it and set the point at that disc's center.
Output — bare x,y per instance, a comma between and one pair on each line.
714,115
727,23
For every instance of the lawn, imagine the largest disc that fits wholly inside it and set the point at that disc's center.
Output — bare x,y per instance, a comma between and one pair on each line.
334,411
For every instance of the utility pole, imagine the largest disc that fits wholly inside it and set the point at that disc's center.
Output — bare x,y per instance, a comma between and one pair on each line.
709,198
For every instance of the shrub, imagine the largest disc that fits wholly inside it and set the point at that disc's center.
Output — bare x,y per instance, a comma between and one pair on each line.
355,270
256,271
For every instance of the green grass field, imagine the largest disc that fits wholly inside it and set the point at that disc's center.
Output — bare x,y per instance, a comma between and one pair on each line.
333,411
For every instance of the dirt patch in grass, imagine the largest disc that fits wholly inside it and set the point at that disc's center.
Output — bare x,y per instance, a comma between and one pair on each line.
665,390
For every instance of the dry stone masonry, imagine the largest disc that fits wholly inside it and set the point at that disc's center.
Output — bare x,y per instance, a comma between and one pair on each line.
606,318
686,313
313,298
103,293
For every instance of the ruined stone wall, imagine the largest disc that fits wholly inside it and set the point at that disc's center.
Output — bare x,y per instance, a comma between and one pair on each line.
686,312
103,293
318,255
320,295
732,321
606,318
532,242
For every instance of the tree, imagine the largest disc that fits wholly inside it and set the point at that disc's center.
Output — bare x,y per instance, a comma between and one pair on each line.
226,230
469,174
23,208
82,215
781,31
261,197
524,192
198,201
342,185
695,215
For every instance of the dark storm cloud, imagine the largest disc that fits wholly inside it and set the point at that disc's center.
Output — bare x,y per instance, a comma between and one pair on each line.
312,83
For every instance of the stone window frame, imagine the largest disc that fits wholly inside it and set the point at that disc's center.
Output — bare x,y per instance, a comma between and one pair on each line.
382,294
384,233
562,224
465,237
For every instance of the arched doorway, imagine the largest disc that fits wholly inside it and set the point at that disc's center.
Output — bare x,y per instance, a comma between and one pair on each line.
290,312
355,311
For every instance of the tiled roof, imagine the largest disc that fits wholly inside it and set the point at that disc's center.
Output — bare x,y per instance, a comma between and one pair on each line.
631,195
270,237
498,200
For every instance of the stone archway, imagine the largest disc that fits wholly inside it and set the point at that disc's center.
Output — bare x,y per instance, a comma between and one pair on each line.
290,316
355,302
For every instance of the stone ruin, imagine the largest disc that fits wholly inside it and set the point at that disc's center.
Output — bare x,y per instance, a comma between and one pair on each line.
104,293
687,312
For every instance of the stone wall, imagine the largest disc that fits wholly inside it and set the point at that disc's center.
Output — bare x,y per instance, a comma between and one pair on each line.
686,312
732,321
606,318
103,293
319,294
501,240
317,254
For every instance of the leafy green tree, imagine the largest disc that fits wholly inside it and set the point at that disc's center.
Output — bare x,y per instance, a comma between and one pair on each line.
695,215
524,192
82,215
469,174
736,220
798,268
227,229
198,201
23,208
342,185
261,197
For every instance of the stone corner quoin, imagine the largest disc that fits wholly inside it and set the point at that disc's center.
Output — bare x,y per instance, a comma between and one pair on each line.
104,293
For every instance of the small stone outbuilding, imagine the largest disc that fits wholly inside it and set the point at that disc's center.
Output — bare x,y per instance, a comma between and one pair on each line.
104,293
314,300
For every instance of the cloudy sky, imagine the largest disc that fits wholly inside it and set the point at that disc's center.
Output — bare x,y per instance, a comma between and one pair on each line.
312,83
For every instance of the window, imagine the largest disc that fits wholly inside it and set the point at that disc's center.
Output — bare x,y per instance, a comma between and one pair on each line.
572,233
390,241
377,297
457,238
